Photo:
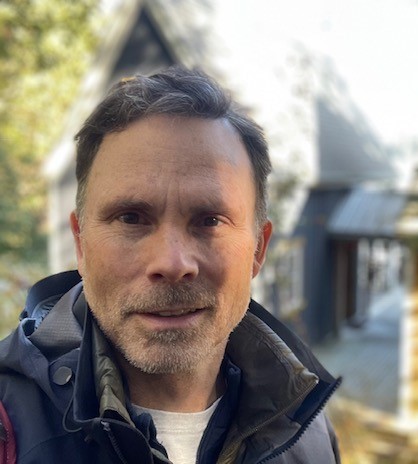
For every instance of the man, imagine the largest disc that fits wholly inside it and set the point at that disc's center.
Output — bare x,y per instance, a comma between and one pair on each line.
159,355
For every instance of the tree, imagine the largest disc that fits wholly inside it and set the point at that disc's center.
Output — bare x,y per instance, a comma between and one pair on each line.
45,47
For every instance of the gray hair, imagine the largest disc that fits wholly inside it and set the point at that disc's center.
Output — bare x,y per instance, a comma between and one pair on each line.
175,91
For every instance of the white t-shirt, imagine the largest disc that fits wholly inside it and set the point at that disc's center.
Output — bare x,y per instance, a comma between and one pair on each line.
180,433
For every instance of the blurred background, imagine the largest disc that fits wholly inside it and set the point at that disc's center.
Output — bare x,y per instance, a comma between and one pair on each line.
334,84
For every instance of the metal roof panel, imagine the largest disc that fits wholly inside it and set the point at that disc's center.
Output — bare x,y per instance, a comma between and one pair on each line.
368,213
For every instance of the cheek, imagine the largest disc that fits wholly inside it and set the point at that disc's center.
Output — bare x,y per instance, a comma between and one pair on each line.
107,258
235,274
241,257
229,266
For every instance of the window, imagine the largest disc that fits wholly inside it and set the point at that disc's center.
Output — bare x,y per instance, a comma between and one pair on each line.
289,275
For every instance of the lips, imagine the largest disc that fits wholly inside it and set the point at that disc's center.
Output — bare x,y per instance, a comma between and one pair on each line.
175,312
170,318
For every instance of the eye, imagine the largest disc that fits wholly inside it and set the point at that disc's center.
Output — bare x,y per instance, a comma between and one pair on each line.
210,221
132,218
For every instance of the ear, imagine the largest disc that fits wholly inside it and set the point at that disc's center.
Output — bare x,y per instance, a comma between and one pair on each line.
75,229
262,244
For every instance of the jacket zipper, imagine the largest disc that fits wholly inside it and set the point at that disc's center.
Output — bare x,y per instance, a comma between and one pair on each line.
113,441
234,444
292,442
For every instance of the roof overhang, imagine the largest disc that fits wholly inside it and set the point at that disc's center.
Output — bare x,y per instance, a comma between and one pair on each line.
368,213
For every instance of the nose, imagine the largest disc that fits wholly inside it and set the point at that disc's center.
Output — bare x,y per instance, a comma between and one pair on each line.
172,259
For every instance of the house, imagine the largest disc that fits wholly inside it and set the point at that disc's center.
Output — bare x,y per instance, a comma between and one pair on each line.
343,248
312,127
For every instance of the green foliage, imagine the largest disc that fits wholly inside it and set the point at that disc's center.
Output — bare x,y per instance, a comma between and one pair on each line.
20,228
45,47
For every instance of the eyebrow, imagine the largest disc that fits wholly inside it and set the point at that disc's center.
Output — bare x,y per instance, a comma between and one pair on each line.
207,205
115,205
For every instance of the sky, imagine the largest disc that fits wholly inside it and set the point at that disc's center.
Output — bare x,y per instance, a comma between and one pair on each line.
373,44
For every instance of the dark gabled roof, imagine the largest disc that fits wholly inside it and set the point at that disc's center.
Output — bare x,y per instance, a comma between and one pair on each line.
350,153
134,43
368,213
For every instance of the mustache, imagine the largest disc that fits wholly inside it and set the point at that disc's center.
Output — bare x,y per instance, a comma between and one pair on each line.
179,296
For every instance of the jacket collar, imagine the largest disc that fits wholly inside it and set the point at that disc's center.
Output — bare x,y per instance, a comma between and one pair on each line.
280,395
274,381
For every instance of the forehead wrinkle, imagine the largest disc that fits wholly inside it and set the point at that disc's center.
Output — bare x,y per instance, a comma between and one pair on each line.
189,198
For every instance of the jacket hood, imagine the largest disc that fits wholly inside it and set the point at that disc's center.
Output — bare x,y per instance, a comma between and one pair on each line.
40,345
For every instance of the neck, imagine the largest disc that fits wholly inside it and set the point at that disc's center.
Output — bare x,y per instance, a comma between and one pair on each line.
180,392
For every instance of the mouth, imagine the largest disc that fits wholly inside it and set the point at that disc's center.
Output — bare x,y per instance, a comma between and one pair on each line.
171,318
174,312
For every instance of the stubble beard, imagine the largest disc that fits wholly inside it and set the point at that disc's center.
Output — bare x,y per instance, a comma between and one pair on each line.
169,351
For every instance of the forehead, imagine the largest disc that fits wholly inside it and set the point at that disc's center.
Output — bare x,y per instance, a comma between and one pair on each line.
172,142
160,159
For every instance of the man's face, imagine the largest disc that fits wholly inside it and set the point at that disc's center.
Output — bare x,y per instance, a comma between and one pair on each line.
168,246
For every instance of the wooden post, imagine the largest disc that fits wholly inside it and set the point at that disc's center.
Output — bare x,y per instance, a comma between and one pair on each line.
409,348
